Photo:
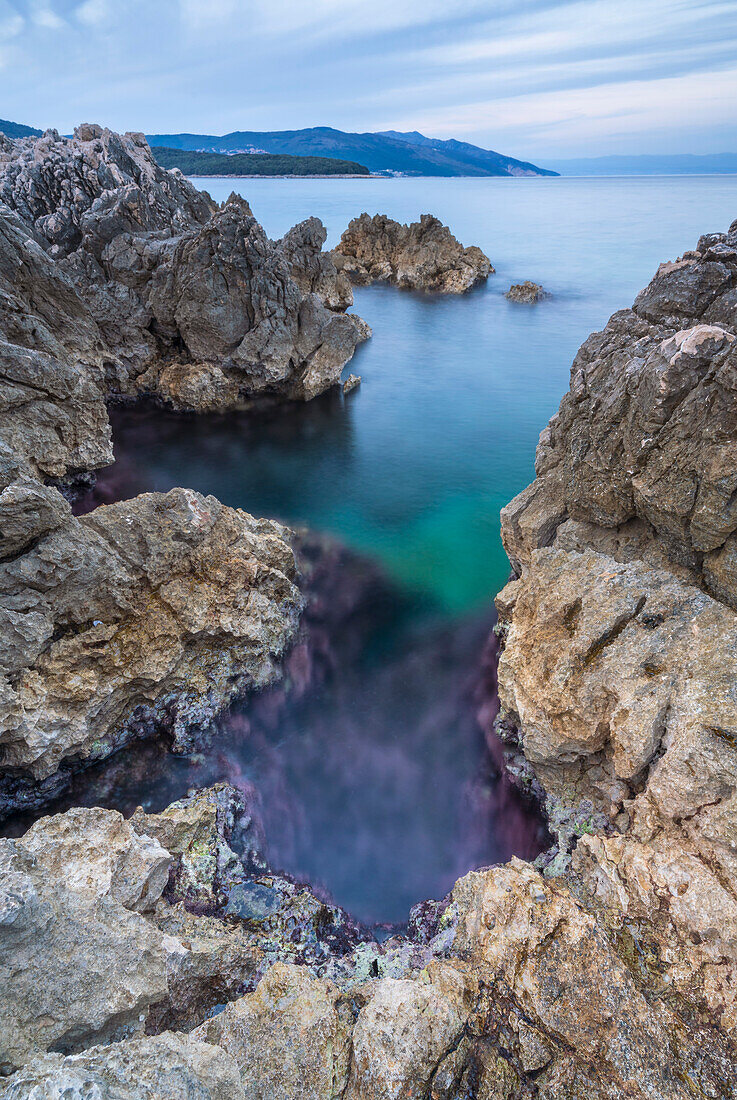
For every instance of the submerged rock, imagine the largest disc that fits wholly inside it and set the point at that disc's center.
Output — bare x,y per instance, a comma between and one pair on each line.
190,302
526,292
422,256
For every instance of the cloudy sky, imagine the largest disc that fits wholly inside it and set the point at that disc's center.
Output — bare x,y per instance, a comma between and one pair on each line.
532,78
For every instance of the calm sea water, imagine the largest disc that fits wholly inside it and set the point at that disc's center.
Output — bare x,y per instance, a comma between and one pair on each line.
415,465
379,788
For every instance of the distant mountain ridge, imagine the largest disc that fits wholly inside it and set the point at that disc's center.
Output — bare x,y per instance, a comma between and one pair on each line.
653,164
392,152
17,129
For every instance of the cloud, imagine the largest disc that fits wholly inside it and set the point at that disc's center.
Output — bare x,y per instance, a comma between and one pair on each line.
531,77
45,17
93,13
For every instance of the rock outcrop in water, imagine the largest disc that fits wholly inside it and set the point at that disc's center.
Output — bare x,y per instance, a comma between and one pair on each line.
619,670
116,279
422,256
528,293
193,303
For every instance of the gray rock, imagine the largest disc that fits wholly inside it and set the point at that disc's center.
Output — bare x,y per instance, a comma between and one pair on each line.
156,1068
313,270
629,458
191,302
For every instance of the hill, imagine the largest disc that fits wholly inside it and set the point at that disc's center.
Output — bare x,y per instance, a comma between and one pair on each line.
408,154
254,164
683,164
17,129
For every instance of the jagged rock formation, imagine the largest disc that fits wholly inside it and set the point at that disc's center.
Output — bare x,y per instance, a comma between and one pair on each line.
192,303
117,277
515,989
313,270
526,292
613,974
146,615
618,674
110,925
422,256
142,1069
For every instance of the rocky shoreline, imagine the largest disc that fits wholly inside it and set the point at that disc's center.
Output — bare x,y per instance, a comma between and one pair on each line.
160,955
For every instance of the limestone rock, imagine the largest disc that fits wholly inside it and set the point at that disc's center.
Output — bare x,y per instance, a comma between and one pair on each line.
289,1038
618,675
186,300
526,292
313,270
154,1068
88,189
422,256
632,453
549,956
404,1032
225,293
148,614
77,962
54,374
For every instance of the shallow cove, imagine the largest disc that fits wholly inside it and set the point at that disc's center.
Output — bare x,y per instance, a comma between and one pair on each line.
377,786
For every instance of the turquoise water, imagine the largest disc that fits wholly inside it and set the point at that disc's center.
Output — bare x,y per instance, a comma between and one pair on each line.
414,466
377,786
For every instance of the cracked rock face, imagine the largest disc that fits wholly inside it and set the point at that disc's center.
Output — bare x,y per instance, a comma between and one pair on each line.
149,614
188,302
520,989
422,256
618,674
640,462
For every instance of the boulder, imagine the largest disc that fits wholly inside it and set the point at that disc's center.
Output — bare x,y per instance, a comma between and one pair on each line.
422,256
289,1038
154,1068
142,616
527,293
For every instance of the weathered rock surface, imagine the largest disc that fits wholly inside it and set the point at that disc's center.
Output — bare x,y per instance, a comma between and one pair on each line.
103,930
640,460
523,990
162,1067
617,680
148,614
422,256
54,372
290,1037
192,303
526,292
313,270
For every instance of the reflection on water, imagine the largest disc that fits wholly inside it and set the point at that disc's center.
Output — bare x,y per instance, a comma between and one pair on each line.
372,782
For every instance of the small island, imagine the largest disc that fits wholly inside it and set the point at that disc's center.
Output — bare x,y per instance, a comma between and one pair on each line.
193,163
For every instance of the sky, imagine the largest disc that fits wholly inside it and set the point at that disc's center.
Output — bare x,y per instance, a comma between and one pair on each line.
529,78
